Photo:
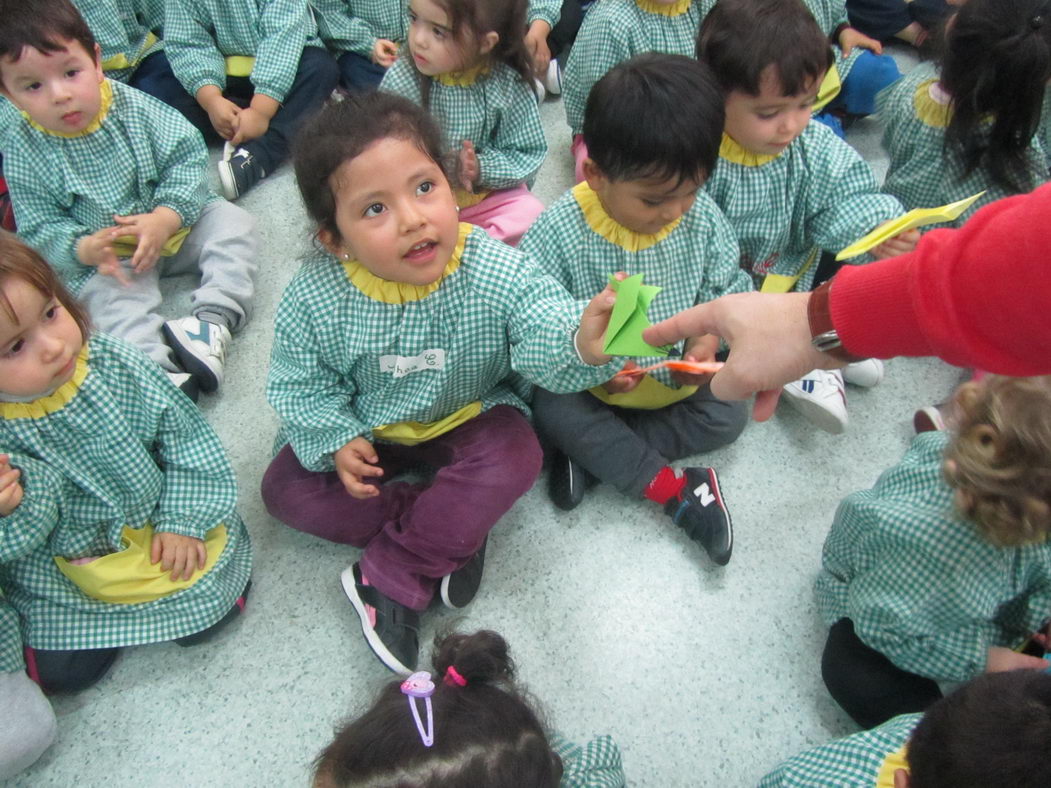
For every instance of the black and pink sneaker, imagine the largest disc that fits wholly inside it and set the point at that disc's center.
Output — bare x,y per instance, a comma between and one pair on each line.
392,630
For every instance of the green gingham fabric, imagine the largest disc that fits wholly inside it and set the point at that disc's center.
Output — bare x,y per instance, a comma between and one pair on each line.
596,764
850,762
127,449
1043,131
498,113
548,10
830,14
919,583
10,638
614,31
919,174
151,12
330,379
818,193
144,155
696,262
198,34
118,30
355,25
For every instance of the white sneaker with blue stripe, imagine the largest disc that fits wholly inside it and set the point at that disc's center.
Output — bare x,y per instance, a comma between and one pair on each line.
821,397
200,347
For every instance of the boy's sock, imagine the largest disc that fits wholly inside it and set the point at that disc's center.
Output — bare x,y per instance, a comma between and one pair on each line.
217,315
665,486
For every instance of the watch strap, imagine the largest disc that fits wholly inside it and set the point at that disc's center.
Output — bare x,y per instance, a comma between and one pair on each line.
823,334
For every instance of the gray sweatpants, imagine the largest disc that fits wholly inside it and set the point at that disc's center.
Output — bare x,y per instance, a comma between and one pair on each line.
27,724
223,246
626,447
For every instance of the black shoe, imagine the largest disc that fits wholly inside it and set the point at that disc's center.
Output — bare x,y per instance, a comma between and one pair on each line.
391,629
238,171
567,482
458,588
232,614
702,513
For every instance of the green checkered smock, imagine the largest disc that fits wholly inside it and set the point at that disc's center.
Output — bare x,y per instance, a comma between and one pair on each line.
119,31
616,30
850,762
597,764
497,112
126,449
145,154
199,34
355,25
920,174
10,638
830,14
330,367
919,583
548,10
817,193
696,262
151,12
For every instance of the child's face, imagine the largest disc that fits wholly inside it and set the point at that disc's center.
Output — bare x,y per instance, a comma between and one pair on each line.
59,90
643,205
769,122
434,47
38,351
395,213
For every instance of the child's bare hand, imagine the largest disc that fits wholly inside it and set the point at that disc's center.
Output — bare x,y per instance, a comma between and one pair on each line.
10,487
1001,659
621,384
384,52
223,114
536,46
591,336
97,250
152,231
701,348
251,125
850,38
468,166
184,555
899,244
356,462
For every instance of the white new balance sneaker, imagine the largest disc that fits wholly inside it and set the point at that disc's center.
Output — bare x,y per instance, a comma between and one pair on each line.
821,397
553,78
201,349
867,373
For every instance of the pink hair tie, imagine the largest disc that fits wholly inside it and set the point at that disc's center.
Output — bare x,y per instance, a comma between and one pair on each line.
452,676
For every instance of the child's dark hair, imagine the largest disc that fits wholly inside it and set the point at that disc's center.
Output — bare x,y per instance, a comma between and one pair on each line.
996,66
655,115
44,25
994,730
471,19
485,733
340,131
740,39
19,261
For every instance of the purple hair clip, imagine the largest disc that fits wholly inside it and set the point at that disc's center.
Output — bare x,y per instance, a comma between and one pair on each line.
419,685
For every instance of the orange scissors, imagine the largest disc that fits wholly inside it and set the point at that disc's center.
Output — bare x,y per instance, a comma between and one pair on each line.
677,365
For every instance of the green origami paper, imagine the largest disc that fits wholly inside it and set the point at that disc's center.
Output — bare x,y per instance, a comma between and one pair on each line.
626,324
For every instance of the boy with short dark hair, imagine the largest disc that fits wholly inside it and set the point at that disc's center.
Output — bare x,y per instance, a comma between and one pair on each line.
652,128
787,184
110,185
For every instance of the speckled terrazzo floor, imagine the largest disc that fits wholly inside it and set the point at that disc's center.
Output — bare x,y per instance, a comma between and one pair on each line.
619,624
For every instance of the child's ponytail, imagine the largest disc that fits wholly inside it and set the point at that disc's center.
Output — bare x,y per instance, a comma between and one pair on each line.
996,67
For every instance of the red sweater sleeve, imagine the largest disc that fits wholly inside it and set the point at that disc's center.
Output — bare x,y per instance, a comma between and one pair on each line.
979,296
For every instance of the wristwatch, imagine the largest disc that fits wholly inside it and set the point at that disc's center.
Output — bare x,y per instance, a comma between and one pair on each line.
823,334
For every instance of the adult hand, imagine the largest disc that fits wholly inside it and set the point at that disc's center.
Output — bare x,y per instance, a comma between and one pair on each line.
697,349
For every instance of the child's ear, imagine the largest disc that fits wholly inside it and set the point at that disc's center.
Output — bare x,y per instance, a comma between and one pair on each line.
98,64
593,175
487,42
328,239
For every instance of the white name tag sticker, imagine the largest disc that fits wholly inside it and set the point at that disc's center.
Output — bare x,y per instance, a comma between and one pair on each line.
400,366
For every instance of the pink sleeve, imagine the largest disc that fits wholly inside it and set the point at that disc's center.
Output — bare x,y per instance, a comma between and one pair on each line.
978,296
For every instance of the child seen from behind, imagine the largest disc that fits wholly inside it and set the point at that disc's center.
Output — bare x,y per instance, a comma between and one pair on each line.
393,348
652,130
118,523
467,65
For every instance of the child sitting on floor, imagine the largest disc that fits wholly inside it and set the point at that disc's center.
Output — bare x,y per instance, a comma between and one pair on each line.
466,725
393,347
118,524
935,573
365,35
110,185
467,65
652,130
787,184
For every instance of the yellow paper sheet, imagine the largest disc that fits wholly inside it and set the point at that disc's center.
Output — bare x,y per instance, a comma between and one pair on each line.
918,217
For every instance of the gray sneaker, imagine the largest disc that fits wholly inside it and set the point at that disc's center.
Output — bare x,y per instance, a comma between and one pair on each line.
238,171
200,347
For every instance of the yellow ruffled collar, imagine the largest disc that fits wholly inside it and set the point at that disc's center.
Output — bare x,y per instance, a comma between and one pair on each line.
399,292
665,9
463,79
106,92
53,402
612,230
932,104
731,150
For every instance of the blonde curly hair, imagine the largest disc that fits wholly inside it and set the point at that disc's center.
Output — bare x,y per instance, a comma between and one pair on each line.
999,460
